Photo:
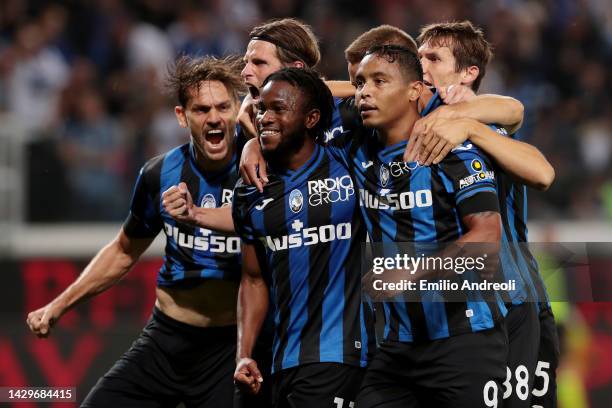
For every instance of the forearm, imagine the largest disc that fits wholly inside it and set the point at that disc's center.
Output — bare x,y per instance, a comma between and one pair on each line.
482,227
252,309
341,89
501,110
217,219
522,161
109,265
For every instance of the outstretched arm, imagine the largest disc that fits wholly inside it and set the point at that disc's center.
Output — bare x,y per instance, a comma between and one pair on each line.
105,269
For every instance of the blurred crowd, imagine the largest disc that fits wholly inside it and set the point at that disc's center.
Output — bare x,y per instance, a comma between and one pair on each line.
85,81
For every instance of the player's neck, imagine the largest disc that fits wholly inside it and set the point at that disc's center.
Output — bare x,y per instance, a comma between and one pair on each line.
299,158
424,99
399,130
207,165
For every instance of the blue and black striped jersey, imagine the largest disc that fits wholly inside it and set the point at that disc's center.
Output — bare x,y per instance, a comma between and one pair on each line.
406,202
513,207
344,117
307,231
516,260
191,253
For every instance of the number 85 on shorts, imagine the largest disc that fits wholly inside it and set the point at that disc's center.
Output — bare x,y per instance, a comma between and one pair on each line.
518,383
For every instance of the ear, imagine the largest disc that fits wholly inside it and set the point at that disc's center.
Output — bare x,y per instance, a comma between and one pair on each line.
179,111
297,64
312,118
469,75
415,90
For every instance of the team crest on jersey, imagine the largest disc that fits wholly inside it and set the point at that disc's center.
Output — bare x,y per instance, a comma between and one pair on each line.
476,165
208,201
384,176
296,201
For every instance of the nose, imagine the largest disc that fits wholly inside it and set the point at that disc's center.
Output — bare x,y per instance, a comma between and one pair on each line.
264,118
214,119
363,91
424,64
246,71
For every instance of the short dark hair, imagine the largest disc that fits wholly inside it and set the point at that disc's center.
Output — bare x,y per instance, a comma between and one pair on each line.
318,95
187,72
466,41
382,35
407,60
294,40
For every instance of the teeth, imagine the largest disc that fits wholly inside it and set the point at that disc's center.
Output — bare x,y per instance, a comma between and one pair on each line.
268,132
214,132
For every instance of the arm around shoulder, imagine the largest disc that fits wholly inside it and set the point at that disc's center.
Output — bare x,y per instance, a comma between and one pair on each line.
519,159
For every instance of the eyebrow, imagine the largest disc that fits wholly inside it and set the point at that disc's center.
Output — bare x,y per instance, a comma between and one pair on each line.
204,105
427,52
278,101
378,73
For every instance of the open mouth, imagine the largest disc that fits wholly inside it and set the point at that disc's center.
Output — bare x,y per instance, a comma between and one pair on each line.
428,84
214,136
254,91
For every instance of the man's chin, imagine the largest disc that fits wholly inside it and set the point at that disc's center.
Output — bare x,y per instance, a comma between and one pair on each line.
216,152
370,123
217,155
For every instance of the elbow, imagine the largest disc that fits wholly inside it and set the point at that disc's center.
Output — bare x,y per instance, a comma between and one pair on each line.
517,111
545,178
494,236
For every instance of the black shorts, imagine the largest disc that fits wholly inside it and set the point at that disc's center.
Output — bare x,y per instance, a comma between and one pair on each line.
544,393
320,385
171,362
459,372
523,325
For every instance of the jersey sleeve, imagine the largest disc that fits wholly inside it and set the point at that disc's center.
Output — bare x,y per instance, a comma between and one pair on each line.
470,178
346,123
503,132
240,212
144,220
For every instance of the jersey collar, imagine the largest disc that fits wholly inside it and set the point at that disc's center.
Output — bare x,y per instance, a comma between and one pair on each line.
433,103
211,175
312,162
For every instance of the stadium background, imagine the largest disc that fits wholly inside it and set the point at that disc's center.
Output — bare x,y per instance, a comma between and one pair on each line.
81,108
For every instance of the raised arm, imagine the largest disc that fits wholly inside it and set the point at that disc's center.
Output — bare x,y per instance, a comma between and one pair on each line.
462,102
107,268
253,166
246,117
436,137
341,89
252,308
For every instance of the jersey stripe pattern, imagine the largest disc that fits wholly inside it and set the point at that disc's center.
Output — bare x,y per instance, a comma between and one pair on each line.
344,118
517,261
513,207
191,254
307,231
405,202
